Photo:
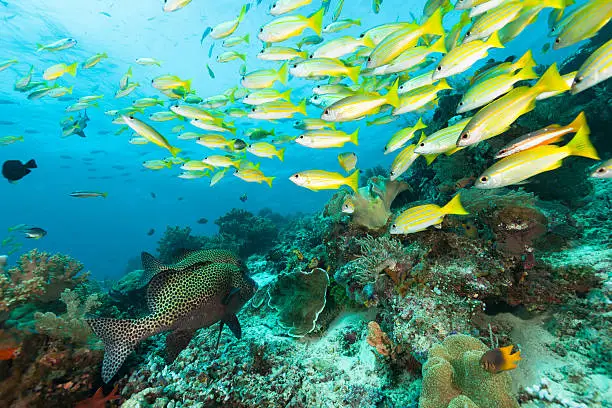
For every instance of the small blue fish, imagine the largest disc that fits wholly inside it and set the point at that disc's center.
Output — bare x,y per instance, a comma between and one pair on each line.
210,71
104,13
205,34
210,51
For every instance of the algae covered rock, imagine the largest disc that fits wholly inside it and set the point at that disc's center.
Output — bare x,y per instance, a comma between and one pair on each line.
453,377
299,298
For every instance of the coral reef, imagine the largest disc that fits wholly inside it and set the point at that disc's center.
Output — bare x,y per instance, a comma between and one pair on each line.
250,233
453,377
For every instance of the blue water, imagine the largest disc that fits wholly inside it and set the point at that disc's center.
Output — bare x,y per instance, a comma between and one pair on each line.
105,233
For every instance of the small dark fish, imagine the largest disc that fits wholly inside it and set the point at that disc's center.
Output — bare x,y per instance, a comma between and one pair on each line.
97,151
88,194
7,102
243,69
125,174
65,167
14,170
243,198
210,71
500,359
104,132
31,131
118,167
239,144
153,195
205,34
88,159
106,177
151,232
180,198
104,13
65,156
203,221
35,233
7,122
210,51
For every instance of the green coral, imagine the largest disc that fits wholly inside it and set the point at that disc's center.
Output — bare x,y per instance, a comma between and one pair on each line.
452,377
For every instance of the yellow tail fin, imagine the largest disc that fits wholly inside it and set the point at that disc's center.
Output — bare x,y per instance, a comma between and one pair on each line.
301,108
392,96
72,69
269,180
283,74
419,125
551,81
280,153
579,122
494,42
174,151
443,84
353,181
353,137
353,74
243,12
434,24
454,207
581,145
286,95
526,73
525,61
104,195
439,46
316,21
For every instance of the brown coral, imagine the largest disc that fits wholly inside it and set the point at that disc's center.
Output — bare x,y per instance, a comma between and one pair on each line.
372,211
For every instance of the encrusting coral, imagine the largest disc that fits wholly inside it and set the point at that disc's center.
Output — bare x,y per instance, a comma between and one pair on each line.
453,377
299,297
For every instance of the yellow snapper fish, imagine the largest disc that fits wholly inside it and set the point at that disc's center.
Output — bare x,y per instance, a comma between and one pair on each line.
58,45
316,180
169,82
379,33
222,127
58,70
323,101
138,141
157,164
127,90
527,17
323,139
125,79
382,120
163,116
90,98
148,61
237,40
420,218
287,27
280,7
452,37
567,78
229,56
410,58
400,138
218,176
313,124
281,54
253,176
80,106
399,41
404,160
357,106
196,165
194,174
496,117
548,135
174,5
267,150
497,18
526,61
214,141
147,102
338,89
8,140
189,136
348,161
341,47
218,161
420,97
442,141
277,110
604,171
483,92
418,81
94,60
265,78
266,95
484,7
597,68
340,25
322,67
584,23
468,4
521,166
149,133
463,57
227,28
193,112
23,83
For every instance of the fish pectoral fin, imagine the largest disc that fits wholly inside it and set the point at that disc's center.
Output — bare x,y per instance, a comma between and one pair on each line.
234,325
233,292
176,342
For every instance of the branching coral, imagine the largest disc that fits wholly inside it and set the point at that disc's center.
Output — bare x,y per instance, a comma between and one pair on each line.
453,377
299,298
71,325
40,277
252,233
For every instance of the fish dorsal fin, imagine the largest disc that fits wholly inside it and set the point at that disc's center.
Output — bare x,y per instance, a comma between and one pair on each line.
152,266
183,253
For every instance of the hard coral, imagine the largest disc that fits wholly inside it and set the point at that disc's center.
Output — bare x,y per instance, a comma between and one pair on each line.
39,277
252,233
372,204
517,228
453,377
176,239
299,297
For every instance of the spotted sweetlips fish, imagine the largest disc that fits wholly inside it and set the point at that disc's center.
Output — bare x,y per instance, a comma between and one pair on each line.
180,301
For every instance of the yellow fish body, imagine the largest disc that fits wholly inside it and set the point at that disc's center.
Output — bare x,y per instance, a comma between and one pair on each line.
287,27
420,218
316,180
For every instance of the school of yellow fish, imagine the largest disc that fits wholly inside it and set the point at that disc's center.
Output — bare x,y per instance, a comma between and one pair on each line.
390,70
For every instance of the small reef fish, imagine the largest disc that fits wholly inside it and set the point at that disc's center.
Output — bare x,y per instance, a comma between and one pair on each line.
148,61
227,28
597,68
277,53
442,141
14,170
348,161
521,166
461,58
265,78
420,218
253,176
500,359
316,180
58,70
280,7
603,171
266,95
287,27
584,23
358,106
150,134
323,139
404,160
58,45
88,194
182,301
244,198
6,64
8,140
548,135
263,149
94,60
34,233
313,124
203,221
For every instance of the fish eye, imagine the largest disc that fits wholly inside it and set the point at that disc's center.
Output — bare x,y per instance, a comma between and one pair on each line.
422,145
392,173
394,226
131,117
311,56
439,68
578,80
460,103
468,33
294,66
362,35
261,30
274,5
301,136
326,112
253,110
558,40
369,59
484,179
601,170
296,176
465,135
